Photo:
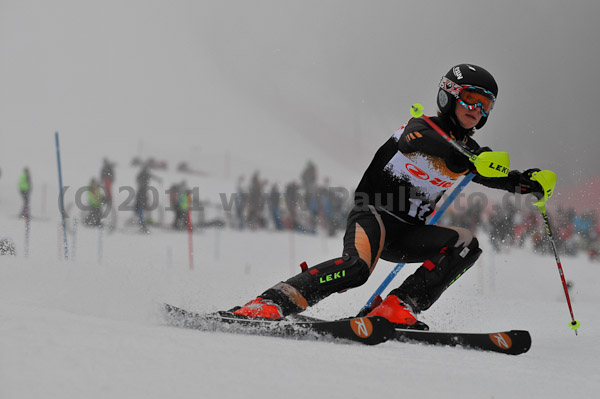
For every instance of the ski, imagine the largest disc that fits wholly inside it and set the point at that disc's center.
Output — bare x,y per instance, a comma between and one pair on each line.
513,342
366,330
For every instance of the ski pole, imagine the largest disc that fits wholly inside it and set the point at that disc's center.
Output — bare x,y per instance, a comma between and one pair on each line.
434,219
488,163
575,324
547,180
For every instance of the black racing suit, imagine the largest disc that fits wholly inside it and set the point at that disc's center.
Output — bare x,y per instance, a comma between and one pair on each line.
399,190
415,167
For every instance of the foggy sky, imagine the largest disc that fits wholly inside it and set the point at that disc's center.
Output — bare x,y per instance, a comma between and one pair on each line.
171,76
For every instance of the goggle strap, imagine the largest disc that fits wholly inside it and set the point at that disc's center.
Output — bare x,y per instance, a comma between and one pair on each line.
455,89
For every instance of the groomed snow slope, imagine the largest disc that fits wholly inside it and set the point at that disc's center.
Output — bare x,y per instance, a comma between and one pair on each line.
82,329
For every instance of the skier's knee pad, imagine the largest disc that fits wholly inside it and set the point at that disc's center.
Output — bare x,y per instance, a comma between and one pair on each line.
426,285
318,282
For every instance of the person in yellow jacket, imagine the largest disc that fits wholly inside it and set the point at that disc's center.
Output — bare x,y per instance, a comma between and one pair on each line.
95,199
183,206
25,189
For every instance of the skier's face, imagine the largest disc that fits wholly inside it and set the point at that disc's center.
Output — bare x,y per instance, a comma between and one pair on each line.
468,118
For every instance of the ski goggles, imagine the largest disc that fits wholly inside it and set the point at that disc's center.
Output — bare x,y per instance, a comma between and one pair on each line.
470,97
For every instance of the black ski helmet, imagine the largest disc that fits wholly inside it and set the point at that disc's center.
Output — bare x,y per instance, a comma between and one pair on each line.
462,75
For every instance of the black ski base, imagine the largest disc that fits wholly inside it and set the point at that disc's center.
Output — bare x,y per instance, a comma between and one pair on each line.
513,342
366,330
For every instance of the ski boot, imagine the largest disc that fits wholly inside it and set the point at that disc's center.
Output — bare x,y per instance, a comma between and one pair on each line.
259,308
397,312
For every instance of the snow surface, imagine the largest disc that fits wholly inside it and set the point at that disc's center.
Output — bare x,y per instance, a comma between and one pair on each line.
92,327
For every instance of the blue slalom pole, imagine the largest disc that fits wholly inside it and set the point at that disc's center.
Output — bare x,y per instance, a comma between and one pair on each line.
61,198
436,217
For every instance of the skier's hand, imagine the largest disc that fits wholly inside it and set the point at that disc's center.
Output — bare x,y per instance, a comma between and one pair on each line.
526,184
478,151
471,165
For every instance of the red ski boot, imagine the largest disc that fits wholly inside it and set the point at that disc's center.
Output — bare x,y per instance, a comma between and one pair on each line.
393,309
261,309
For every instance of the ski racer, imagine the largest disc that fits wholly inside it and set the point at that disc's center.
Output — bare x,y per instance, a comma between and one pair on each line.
400,188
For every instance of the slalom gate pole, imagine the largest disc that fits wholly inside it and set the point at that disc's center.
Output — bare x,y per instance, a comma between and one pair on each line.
61,198
575,324
189,223
434,219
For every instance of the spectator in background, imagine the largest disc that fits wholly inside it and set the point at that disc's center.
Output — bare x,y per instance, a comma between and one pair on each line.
107,177
184,206
255,219
241,199
25,189
175,205
291,202
141,199
95,199
274,206
309,186
309,178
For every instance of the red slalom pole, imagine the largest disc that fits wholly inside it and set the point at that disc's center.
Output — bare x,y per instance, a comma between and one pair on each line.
189,224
